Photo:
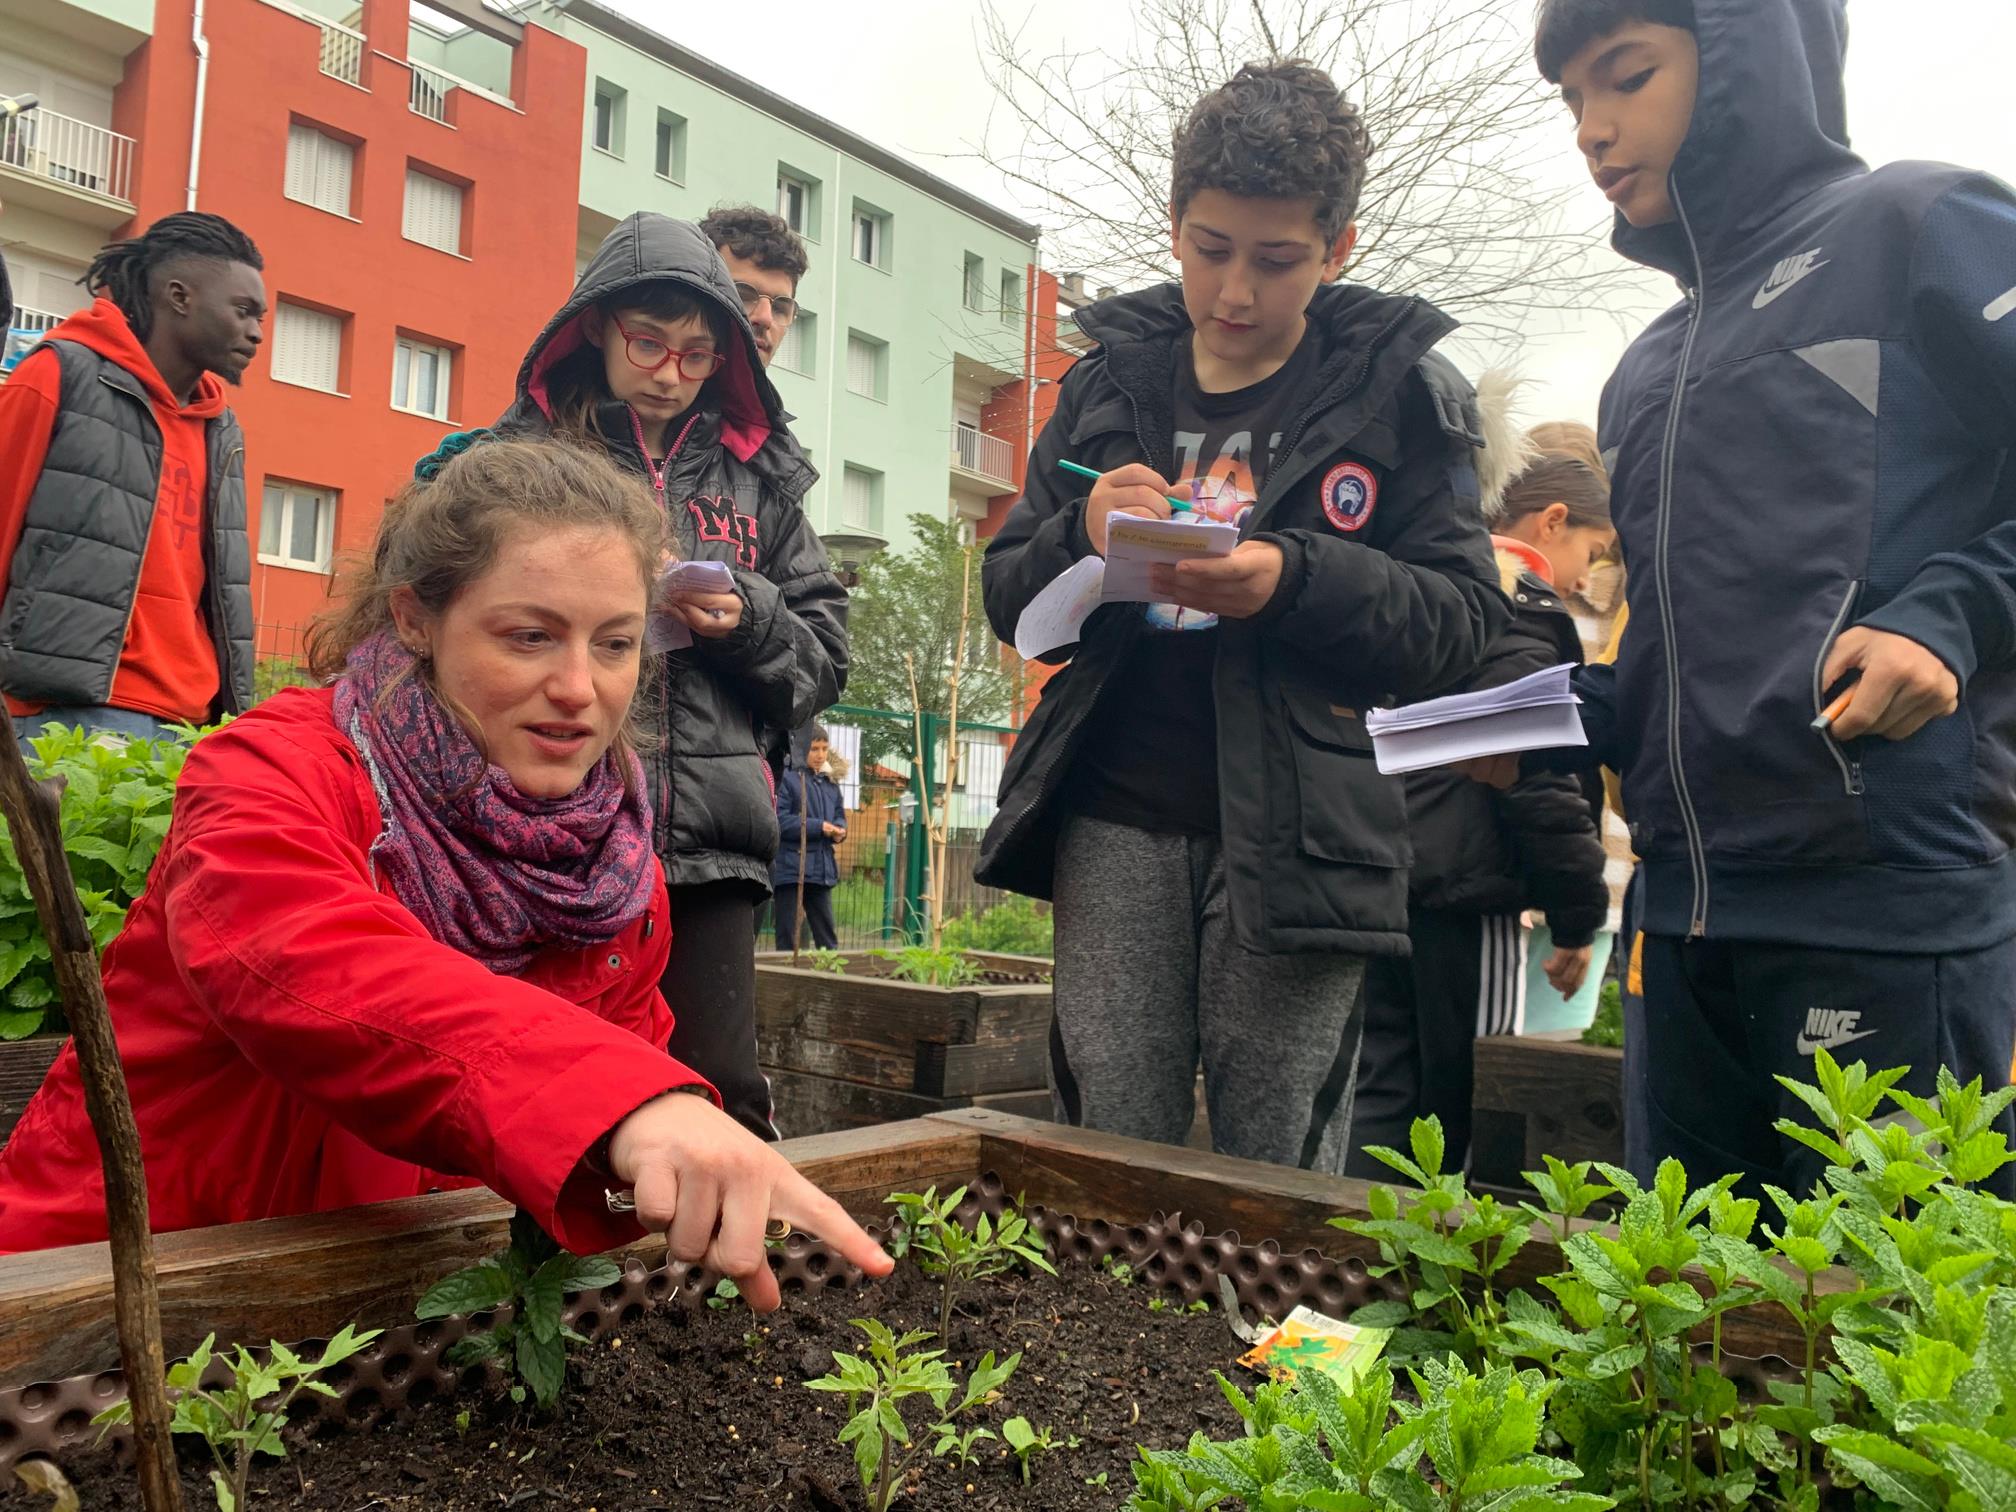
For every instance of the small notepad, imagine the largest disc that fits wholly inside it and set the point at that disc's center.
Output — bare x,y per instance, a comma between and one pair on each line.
1536,713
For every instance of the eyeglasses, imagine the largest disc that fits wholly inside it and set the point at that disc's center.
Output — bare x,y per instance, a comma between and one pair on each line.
783,308
651,354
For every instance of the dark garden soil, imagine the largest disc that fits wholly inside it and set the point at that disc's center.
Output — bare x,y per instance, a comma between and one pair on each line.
706,1408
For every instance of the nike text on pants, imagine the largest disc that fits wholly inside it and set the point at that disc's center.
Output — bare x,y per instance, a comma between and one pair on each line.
1722,1017
1149,981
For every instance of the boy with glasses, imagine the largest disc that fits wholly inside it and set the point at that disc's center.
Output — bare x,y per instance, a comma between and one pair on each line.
766,259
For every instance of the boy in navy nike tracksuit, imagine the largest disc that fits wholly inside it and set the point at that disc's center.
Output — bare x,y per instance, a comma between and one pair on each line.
1811,480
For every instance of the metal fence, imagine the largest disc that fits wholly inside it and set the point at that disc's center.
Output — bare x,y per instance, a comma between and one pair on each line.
884,863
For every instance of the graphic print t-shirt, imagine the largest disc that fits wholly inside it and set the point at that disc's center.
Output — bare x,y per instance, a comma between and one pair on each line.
1150,760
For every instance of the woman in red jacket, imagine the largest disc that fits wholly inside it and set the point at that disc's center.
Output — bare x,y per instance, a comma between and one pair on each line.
406,930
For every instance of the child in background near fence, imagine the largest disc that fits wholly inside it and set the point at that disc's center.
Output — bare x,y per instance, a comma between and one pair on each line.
1482,857
652,361
811,820
1195,791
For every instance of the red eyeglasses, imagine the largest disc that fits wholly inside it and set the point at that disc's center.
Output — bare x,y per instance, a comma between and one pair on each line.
650,354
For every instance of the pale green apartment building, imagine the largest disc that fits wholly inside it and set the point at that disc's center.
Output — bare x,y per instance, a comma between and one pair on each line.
914,306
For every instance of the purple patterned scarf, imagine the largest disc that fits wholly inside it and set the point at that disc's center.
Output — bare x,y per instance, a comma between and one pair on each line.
488,871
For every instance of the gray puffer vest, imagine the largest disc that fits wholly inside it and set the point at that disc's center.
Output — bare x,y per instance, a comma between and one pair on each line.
76,569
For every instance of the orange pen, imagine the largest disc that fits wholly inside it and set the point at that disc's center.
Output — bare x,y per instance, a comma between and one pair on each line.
1836,709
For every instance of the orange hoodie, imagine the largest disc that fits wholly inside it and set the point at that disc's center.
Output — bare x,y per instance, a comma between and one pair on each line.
168,667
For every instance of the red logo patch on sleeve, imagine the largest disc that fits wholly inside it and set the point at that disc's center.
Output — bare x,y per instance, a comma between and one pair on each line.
1349,492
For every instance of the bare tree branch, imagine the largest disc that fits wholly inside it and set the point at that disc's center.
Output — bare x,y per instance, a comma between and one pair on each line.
1455,208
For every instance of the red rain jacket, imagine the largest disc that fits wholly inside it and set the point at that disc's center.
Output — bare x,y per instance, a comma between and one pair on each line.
295,1041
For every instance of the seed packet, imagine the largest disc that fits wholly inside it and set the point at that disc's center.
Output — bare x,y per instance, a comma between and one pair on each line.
1309,1340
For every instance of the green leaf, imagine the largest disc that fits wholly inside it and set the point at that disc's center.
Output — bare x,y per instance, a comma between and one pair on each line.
542,1365
545,1297
590,1273
1018,1435
1428,1145
474,1349
226,1501
480,1288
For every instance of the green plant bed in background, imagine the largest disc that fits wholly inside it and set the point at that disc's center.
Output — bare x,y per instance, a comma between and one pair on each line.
1017,926
117,797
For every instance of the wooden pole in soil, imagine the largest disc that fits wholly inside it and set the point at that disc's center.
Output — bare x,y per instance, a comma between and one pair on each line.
34,812
798,925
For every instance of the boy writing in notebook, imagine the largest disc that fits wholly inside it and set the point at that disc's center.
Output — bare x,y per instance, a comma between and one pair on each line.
1810,471
1195,791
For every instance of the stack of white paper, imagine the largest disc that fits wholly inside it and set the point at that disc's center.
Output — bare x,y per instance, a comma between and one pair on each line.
666,630
1535,713
1133,544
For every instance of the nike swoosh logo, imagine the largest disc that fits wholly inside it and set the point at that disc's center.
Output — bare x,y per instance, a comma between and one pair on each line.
1767,294
2001,307
1808,1046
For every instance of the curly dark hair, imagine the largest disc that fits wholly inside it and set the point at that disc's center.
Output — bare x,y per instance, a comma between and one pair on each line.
766,240
1562,28
124,271
1275,131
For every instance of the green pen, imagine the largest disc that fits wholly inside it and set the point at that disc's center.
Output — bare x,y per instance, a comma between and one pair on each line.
1095,475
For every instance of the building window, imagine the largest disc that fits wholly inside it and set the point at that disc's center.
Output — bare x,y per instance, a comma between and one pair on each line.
609,117
433,212
867,366
796,202
420,376
799,342
871,236
297,526
861,498
319,169
307,347
1011,297
670,162
973,293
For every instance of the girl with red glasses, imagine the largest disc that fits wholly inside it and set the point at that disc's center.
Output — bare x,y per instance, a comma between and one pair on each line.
652,361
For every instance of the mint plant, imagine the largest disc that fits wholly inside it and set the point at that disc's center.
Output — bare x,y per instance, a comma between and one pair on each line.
896,1372
931,1234
242,1421
1441,1243
1324,1449
535,1276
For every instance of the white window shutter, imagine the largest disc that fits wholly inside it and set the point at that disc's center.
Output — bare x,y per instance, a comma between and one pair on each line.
319,169
861,355
307,346
301,163
433,212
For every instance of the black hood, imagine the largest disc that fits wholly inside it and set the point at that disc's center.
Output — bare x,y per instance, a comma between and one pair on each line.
649,248
1770,126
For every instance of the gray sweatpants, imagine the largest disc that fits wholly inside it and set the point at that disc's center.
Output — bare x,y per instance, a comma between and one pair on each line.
1149,980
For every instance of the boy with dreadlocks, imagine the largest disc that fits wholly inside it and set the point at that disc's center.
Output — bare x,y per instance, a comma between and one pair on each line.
117,418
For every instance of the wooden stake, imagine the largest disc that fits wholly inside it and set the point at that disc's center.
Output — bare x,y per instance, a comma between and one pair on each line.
34,812
798,925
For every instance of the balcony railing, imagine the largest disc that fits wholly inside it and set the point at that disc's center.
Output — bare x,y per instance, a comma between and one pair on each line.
26,319
342,50
68,151
977,452
429,91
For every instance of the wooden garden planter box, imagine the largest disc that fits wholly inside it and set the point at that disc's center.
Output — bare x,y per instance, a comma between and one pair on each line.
1543,1094
847,1051
23,1064
303,1278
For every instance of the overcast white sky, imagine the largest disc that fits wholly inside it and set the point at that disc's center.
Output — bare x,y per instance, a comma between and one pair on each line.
1927,79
